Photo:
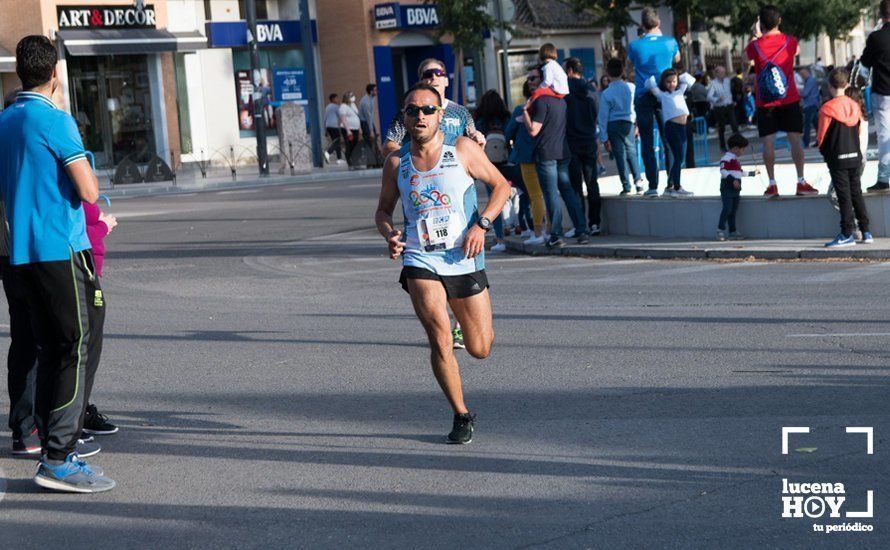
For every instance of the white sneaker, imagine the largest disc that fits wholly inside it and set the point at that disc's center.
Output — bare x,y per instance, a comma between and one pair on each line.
327,157
536,240
499,247
594,229
341,161
669,192
528,233
570,233
682,193
721,235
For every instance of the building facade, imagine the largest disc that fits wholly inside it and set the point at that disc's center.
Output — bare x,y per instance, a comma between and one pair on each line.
171,78
165,78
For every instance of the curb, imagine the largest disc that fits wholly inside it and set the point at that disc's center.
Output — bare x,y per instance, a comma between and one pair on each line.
143,190
641,252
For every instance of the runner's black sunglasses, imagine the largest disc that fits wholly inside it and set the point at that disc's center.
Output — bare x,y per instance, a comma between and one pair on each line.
430,73
414,110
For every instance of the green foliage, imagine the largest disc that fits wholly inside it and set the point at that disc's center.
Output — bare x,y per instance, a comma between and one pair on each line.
612,14
465,21
802,18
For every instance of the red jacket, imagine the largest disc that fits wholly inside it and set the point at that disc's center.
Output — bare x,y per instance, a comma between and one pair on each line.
96,231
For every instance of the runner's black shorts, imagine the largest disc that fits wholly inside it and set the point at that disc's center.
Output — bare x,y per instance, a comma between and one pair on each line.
784,118
456,286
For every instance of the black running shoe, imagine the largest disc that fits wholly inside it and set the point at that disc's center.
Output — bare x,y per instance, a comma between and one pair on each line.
555,242
27,444
97,423
462,431
879,187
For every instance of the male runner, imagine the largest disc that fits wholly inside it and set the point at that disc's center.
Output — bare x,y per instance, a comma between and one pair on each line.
456,119
443,249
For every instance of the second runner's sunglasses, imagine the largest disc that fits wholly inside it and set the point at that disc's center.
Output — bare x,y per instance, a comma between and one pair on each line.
430,73
414,110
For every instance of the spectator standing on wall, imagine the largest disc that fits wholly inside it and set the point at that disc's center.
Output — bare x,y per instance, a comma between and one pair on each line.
651,55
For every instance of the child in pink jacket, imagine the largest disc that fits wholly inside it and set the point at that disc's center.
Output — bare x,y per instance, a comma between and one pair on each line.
99,225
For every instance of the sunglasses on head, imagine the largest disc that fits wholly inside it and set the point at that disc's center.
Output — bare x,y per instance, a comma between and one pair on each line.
431,73
414,110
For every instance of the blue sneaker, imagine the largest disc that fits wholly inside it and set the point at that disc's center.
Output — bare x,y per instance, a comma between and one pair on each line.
841,241
73,476
867,238
651,193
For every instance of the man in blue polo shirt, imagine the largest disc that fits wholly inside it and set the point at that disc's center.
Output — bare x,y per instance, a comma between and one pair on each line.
651,55
44,176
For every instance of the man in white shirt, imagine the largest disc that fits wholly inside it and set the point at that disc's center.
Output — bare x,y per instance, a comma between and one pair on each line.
720,97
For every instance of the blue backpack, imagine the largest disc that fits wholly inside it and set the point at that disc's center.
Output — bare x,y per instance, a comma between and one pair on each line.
771,82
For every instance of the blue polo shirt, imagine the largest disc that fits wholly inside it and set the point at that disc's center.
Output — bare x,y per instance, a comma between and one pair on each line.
651,54
37,142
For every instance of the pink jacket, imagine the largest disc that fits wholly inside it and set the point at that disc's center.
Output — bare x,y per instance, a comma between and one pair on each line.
96,231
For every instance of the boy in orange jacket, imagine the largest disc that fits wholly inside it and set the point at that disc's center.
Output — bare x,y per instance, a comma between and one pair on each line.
838,141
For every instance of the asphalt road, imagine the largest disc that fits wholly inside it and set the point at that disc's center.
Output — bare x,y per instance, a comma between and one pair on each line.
273,390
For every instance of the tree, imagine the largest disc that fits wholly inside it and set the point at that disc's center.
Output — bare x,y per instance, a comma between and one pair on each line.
612,14
801,18
465,21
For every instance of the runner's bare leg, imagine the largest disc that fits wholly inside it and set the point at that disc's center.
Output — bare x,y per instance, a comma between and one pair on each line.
431,305
474,315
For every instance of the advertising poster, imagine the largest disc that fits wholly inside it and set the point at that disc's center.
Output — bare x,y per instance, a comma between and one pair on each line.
244,90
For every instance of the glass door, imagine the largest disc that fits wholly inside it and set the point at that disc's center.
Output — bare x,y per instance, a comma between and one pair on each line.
111,101
88,108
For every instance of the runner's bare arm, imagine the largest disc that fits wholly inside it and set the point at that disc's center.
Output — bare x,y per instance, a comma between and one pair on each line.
84,179
389,196
479,167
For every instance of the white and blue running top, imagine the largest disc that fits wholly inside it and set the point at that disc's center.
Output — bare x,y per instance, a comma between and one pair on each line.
439,206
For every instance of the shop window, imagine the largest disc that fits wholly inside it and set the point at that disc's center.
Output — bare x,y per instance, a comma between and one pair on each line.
262,9
182,104
270,60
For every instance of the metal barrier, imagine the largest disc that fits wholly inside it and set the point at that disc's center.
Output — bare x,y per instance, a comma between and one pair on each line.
782,141
866,96
700,141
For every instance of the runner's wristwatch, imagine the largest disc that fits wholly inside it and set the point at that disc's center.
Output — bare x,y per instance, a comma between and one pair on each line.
484,223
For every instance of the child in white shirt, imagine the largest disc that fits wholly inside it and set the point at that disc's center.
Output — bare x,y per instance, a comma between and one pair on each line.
554,81
670,91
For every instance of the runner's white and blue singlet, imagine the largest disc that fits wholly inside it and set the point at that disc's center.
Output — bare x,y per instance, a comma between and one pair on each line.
440,205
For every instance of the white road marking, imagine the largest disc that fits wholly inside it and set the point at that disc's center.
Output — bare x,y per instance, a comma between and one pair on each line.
840,275
304,188
838,335
240,192
556,267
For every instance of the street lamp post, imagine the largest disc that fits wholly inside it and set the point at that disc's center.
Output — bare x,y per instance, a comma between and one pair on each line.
503,41
311,79
259,107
